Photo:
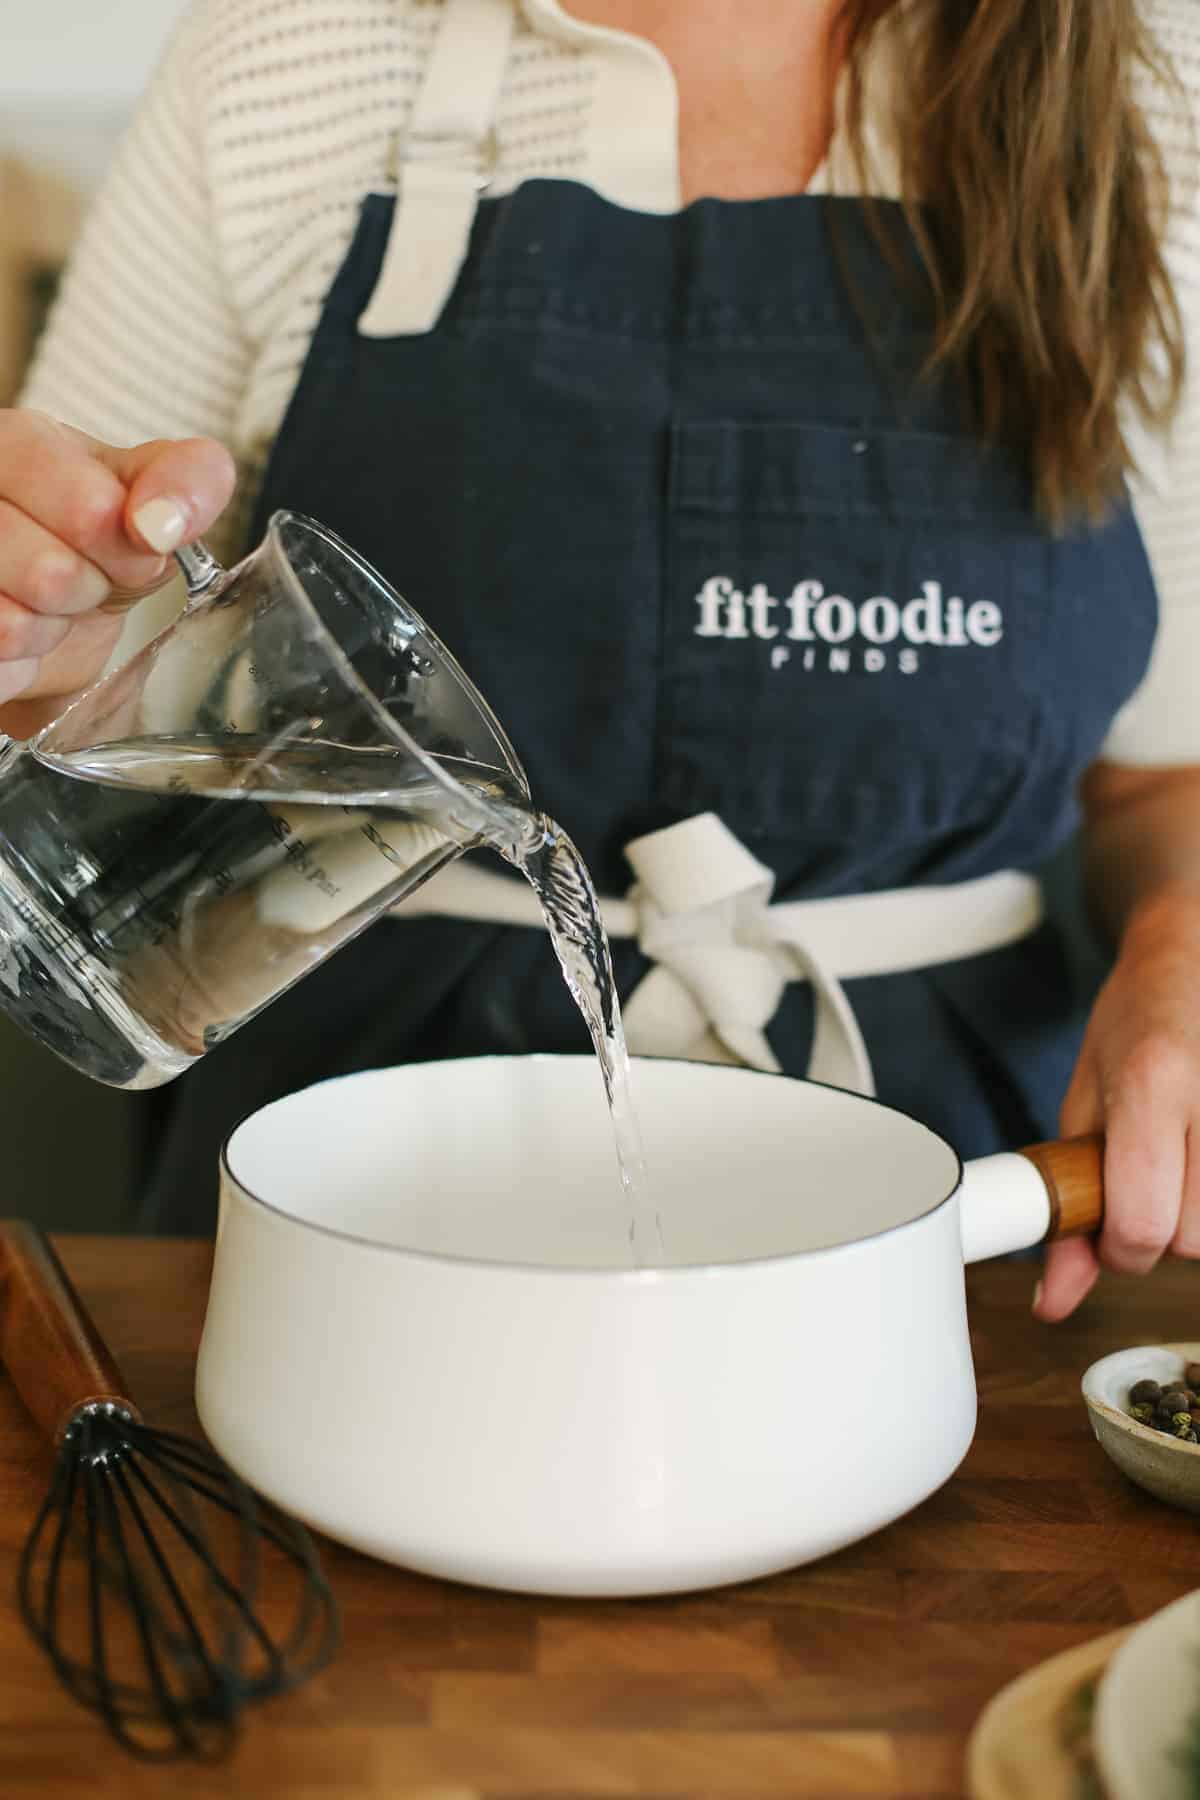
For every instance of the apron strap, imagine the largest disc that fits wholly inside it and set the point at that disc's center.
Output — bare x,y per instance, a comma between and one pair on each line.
445,162
721,954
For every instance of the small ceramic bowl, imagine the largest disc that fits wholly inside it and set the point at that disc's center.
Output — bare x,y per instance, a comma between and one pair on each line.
1162,1465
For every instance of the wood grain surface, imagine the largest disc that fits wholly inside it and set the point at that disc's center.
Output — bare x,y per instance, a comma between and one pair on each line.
858,1676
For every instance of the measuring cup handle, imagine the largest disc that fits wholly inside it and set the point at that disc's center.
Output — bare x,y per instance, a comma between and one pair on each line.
201,570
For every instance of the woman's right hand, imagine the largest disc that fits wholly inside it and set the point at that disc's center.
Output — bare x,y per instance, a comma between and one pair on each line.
86,530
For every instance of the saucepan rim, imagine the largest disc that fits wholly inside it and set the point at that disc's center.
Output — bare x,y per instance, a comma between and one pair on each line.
589,1272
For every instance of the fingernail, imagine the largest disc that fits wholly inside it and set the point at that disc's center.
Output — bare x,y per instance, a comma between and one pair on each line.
1037,1296
15,677
162,523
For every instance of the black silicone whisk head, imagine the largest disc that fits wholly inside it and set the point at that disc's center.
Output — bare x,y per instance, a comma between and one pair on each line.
167,1594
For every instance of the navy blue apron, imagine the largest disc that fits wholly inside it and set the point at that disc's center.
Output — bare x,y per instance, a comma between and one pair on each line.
675,492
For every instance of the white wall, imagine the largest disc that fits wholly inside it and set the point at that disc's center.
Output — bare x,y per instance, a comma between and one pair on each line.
71,70
100,48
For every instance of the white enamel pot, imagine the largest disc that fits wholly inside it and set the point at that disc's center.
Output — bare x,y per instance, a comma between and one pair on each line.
425,1338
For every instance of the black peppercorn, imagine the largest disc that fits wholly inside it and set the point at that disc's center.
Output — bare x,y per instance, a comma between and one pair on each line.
1173,1408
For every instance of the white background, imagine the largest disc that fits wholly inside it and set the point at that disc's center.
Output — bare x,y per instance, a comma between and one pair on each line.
70,74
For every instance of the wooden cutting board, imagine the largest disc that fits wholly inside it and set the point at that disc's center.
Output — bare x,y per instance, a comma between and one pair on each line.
857,1678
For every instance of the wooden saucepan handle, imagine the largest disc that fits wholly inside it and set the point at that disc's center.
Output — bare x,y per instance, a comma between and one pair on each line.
49,1345
1073,1171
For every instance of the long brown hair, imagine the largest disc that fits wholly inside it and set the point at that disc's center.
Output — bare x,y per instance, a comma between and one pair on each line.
1039,200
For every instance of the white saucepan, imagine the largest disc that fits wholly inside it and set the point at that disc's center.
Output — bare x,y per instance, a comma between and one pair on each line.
425,1338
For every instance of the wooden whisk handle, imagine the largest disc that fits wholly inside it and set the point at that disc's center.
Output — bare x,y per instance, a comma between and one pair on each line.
48,1343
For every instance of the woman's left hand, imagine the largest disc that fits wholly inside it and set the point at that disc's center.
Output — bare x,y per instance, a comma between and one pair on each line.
1138,1081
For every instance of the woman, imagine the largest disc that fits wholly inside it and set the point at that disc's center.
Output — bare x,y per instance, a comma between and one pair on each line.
737,495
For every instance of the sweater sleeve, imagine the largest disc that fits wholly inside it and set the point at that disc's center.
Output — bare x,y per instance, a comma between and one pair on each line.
143,340
1161,724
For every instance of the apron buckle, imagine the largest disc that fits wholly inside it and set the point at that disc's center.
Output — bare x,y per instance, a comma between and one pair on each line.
461,152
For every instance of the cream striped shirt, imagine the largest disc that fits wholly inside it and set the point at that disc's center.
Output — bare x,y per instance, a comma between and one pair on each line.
191,301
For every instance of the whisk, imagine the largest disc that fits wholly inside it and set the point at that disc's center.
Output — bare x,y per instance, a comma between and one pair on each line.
153,1578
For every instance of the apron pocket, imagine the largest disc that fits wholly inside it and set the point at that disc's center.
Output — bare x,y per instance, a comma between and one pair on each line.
854,634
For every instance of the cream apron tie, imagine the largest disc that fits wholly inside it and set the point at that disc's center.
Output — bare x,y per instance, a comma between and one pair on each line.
444,166
722,954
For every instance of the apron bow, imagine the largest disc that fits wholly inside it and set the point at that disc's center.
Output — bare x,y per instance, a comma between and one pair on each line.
702,916
701,910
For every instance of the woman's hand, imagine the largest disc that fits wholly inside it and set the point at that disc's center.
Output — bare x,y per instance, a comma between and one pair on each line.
1138,1081
85,531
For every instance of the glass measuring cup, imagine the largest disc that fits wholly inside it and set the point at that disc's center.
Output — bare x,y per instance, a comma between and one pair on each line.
287,760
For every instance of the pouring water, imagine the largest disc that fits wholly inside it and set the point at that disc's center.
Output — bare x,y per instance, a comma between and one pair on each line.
291,758
270,849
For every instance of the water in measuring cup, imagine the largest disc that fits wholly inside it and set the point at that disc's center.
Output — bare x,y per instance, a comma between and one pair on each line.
164,889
